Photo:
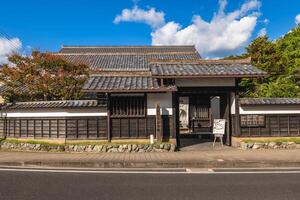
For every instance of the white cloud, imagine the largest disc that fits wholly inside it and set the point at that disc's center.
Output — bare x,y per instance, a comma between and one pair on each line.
224,34
297,19
262,32
8,47
151,17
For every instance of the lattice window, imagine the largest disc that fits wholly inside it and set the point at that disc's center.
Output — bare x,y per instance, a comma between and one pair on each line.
252,120
128,106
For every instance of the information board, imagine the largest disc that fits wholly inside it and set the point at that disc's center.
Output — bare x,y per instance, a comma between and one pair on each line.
219,126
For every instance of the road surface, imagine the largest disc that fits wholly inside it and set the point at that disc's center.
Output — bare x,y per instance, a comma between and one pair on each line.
56,185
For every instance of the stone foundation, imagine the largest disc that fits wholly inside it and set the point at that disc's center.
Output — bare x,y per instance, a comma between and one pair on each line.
269,145
116,148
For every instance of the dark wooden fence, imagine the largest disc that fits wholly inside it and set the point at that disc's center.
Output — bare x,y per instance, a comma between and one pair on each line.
132,127
70,128
275,125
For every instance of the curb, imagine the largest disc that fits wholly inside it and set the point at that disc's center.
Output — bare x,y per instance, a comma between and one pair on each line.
122,165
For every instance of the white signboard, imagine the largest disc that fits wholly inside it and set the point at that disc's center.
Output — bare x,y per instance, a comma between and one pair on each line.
219,126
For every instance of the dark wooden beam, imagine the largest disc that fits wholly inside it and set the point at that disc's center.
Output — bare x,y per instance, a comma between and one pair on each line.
237,110
108,118
176,117
159,125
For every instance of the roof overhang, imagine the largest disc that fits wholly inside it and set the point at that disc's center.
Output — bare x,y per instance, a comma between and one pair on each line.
211,76
160,90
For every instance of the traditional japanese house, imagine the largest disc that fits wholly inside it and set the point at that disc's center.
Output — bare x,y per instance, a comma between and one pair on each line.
137,91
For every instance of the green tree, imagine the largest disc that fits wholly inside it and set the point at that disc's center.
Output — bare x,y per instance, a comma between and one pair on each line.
289,46
42,77
281,87
281,60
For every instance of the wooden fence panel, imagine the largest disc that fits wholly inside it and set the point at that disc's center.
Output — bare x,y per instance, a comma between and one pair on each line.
275,126
72,128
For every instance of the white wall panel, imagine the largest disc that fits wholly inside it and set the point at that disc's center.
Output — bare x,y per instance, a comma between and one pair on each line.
163,99
270,109
204,82
56,113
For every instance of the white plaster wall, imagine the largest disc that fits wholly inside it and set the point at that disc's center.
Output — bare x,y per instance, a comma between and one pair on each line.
232,104
204,82
163,99
57,113
270,109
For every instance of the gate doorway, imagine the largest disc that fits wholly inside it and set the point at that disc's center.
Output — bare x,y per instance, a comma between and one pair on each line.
196,112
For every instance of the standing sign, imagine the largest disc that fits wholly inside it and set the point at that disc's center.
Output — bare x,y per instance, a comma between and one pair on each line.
219,126
219,130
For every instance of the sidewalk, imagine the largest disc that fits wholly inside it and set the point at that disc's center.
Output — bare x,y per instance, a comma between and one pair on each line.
226,158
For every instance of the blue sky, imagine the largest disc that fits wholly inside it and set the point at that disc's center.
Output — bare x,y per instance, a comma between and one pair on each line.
46,25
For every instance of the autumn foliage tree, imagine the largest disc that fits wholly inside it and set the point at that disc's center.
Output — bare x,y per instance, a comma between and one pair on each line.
42,76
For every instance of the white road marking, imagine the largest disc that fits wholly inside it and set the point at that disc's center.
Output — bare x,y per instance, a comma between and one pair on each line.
211,170
94,172
187,171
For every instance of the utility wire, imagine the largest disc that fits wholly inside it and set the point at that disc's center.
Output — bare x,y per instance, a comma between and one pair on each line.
13,44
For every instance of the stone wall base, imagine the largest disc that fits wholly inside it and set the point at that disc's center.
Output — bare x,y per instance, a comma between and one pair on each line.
269,145
116,148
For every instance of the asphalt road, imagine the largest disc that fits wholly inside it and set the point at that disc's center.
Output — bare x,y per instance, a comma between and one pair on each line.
15,185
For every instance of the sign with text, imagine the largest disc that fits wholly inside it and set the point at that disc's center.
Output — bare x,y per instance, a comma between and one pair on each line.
219,126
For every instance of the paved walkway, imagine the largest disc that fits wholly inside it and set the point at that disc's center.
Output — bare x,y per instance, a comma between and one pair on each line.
223,158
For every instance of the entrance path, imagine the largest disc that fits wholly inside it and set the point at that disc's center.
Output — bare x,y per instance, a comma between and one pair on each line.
216,158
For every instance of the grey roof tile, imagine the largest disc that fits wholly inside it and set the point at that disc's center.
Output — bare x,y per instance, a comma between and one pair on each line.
52,104
124,84
270,101
205,68
127,49
122,62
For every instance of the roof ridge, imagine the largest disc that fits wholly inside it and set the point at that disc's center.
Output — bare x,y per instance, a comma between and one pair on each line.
270,98
202,61
36,102
125,54
124,46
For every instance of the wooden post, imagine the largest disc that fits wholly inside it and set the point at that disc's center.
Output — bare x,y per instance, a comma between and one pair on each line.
66,131
108,118
34,128
228,117
5,127
57,128
237,110
27,127
158,124
77,134
174,115
225,114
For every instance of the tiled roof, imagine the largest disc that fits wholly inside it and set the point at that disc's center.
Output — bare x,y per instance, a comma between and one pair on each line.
123,62
124,84
53,104
127,49
270,101
205,68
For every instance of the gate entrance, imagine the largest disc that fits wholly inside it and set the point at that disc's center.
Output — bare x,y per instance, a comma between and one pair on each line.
197,110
